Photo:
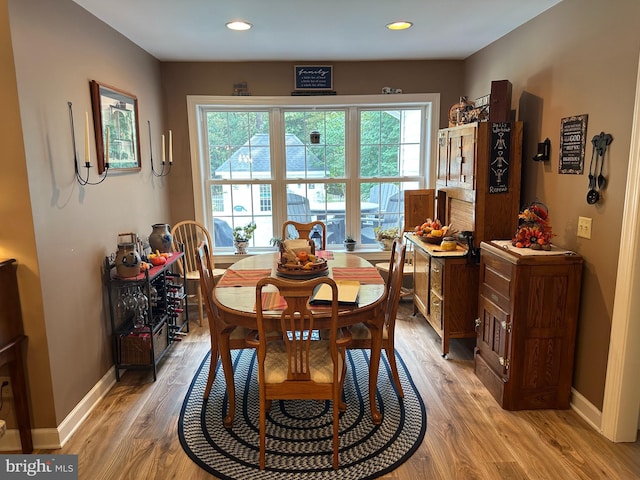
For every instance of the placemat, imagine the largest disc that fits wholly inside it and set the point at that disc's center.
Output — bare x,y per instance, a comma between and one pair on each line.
366,275
242,278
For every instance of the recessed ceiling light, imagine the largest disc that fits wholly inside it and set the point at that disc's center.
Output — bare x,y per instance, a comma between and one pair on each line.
238,25
402,25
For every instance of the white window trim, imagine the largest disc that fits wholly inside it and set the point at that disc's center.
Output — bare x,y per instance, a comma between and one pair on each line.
197,102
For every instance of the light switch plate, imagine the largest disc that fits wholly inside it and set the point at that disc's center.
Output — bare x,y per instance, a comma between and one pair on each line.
584,227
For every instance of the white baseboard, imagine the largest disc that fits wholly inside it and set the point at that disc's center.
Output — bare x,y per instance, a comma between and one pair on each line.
586,410
53,438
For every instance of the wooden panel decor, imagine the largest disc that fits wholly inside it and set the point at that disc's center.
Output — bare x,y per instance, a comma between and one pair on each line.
499,158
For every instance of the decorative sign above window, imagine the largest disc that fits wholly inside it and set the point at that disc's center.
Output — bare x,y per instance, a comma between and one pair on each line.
573,131
313,77
500,157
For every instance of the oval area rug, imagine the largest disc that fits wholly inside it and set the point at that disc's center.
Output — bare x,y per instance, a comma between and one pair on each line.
299,432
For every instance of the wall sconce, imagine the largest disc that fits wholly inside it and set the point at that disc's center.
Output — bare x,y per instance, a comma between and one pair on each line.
544,148
87,164
314,137
161,173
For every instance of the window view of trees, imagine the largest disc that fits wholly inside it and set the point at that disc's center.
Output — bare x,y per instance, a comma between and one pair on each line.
264,166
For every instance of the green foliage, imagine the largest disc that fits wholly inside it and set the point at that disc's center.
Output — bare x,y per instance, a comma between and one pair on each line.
242,234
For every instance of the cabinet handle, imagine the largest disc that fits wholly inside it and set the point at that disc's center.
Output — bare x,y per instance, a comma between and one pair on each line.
504,362
435,304
477,322
506,326
436,270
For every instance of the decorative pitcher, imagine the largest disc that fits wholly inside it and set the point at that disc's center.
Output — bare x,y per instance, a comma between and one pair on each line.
127,260
160,238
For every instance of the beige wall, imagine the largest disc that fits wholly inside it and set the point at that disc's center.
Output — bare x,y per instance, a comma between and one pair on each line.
580,57
17,237
276,78
58,48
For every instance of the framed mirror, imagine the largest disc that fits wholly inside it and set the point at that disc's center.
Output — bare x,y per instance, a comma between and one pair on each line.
115,112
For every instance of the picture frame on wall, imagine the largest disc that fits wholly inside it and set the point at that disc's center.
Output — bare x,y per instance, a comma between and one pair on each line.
115,112
573,133
313,77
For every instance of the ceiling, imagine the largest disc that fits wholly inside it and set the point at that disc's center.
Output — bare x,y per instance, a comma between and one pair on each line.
306,30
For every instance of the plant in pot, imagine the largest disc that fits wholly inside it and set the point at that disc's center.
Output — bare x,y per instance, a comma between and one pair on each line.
386,236
241,237
349,243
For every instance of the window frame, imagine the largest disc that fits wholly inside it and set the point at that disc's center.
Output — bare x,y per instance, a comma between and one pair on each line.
353,104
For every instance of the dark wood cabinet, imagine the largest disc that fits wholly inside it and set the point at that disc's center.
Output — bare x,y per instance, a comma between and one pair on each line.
528,310
12,342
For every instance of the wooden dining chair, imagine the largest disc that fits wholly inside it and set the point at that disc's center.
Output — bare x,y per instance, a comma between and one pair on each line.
189,234
298,366
305,230
237,337
360,334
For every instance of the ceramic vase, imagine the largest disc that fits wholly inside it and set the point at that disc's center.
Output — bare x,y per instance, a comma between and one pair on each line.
241,246
160,238
127,260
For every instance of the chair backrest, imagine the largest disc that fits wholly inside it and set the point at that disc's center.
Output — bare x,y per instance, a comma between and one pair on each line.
297,323
190,234
305,230
202,259
394,281
391,204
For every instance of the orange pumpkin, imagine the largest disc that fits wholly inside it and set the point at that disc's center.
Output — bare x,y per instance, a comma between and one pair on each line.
303,256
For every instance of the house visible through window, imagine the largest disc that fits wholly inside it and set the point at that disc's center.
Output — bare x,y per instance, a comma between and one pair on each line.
257,163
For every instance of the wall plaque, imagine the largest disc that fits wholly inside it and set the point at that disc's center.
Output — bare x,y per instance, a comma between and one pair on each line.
313,77
573,132
500,156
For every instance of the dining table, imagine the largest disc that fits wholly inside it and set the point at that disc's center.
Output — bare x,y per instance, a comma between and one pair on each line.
235,298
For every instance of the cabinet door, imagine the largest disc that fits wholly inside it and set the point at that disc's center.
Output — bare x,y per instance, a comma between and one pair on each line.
462,171
421,280
442,165
494,337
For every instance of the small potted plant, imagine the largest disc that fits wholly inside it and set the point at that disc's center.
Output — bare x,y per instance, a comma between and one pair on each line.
241,236
386,236
349,243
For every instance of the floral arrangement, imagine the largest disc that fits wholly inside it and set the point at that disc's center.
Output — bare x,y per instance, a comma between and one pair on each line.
534,230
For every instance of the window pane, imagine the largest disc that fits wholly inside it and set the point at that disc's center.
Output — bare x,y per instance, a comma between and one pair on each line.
382,206
314,160
239,145
242,204
389,142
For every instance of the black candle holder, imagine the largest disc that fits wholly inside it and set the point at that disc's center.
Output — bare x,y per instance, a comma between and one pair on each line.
83,181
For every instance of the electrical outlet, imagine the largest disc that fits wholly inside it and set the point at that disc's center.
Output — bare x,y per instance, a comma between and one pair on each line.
584,227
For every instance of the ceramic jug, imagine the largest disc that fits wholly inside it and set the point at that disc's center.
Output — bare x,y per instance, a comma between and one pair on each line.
127,260
160,238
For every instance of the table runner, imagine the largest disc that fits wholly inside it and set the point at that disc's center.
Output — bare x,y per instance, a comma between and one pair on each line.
242,278
326,254
366,275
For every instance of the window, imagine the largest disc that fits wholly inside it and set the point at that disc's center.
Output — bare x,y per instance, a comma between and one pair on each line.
269,159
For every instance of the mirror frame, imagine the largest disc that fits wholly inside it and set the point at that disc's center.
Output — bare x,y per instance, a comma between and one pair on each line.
107,101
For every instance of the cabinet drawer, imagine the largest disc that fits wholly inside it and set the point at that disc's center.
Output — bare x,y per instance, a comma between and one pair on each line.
437,271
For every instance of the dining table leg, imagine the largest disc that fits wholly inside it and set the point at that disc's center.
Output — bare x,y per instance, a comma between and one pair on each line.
374,365
227,368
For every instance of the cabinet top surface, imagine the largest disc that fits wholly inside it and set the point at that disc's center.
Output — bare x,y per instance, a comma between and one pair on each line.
435,250
6,261
151,273
504,249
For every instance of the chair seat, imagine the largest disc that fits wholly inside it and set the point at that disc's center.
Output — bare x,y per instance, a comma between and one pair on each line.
276,365
359,331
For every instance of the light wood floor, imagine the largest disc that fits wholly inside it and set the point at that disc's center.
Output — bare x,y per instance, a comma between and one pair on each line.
132,433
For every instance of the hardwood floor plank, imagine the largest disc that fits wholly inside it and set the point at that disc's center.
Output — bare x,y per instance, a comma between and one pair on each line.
132,433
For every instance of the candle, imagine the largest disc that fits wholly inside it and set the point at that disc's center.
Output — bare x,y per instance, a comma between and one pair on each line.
163,148
86,137
106,148
170,147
